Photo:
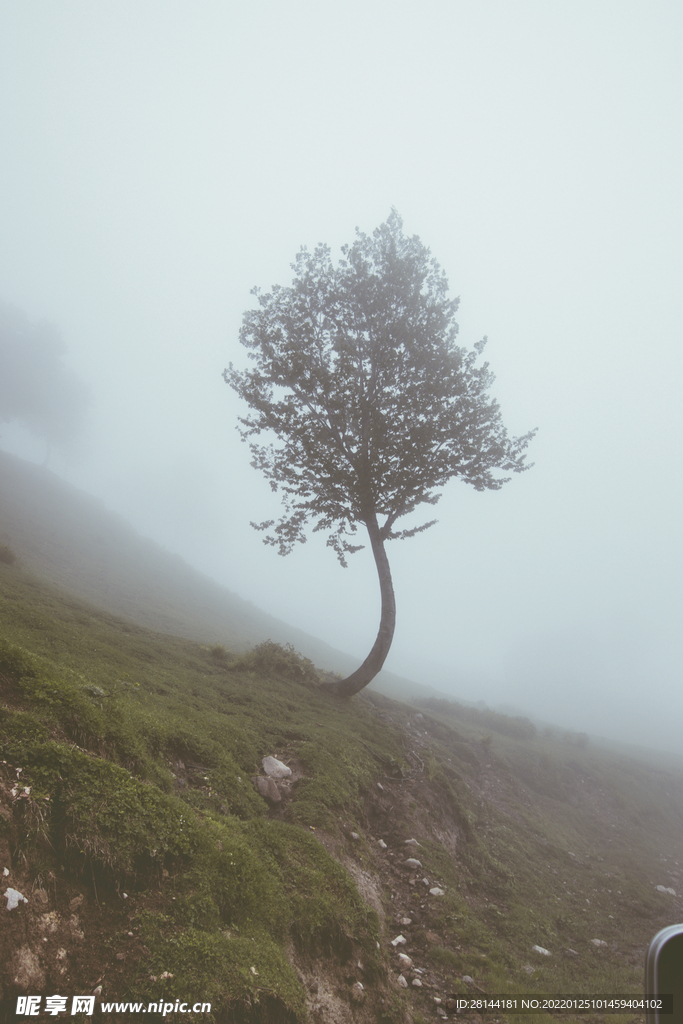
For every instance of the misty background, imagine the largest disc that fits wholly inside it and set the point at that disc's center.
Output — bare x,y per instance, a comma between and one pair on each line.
159,159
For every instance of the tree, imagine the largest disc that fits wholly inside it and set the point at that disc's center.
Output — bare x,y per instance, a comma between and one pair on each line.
36,387
373,404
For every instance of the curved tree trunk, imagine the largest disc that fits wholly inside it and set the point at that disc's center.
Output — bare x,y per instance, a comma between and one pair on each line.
377,656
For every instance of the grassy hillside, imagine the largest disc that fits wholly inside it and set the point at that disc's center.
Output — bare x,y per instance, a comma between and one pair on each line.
71,539
154,870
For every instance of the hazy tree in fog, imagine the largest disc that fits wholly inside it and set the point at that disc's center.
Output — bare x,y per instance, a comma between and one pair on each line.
36,387
373,404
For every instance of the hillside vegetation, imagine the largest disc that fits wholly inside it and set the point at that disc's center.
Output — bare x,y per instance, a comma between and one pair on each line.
151,869
151,865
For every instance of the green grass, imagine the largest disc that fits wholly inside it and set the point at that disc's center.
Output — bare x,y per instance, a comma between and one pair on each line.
138,749
100,715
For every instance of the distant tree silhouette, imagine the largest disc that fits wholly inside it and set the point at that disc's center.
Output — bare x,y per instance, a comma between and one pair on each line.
373,404
36,388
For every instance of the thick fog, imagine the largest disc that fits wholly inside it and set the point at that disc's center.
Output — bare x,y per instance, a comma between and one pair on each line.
160,158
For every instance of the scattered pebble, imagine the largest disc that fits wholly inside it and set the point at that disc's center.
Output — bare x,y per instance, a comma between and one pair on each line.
14,898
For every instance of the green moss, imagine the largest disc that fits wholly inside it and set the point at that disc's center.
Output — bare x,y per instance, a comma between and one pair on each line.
248,977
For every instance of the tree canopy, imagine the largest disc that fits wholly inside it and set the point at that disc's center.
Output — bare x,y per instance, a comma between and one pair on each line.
373,404
36,387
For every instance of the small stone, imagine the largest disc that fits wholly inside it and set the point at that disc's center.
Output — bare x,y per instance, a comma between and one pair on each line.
416,983
354,835
380,786
357,993
436,891
664,888
400,940
276,769
411,842
413,863
402,981
528,968
267,788
571,952
5,872
120,956
466,978
405,960
98,990
406,920
598,943
14,898
541,950
382,845
437,1000
432,937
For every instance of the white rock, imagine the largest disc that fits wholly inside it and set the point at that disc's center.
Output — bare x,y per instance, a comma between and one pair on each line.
411,842
466,977
400,940
14,898
541,950
412,862
405,960
436,891
354,835
382,845
598,943
402,981
5,872
406,920
663,888
276,769
417,983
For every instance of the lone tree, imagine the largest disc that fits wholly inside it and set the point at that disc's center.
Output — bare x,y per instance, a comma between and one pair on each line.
374,405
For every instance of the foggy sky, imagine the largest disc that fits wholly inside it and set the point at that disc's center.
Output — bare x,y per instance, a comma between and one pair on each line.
160,158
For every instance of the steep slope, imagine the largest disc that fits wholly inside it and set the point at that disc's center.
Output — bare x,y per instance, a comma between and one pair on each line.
409,859
71,539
